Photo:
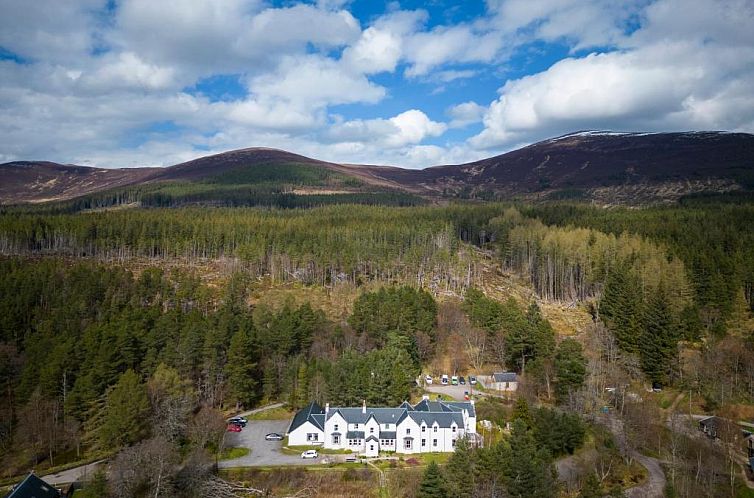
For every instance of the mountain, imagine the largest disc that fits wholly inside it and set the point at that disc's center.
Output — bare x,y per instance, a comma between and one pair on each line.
41,181
608,167
605,166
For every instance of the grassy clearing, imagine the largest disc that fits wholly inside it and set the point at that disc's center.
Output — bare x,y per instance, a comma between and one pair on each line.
322,482
280,413
233,453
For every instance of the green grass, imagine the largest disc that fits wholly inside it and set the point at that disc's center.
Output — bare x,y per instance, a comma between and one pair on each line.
297,450
233,453
280,413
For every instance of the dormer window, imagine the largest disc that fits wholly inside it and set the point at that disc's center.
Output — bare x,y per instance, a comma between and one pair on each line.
424,428
371,430
335,427
454,428
355,426
434,429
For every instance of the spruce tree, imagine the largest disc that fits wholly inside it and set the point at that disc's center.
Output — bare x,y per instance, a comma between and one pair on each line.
459,471
659,344
126,412
240,369
433,483
570,368
529,473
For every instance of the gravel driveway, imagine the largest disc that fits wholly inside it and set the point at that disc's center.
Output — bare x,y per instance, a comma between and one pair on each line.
263,452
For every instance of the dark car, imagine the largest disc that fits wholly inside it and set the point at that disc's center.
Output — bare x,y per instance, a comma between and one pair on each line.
240,421
462,381
273,436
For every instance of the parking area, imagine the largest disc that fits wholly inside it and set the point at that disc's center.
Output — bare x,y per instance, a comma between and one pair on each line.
263,453
455,392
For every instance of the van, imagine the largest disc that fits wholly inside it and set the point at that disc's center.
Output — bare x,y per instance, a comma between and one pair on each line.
454,380
444,379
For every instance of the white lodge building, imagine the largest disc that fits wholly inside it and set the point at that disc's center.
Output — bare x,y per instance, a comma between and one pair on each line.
429,426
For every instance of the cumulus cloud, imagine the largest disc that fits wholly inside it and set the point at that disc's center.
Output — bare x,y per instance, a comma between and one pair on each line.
465,114
87,81
687,81
409,127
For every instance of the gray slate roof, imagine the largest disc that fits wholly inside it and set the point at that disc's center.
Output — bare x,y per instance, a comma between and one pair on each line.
357,416
387,434
505,377
33,487
306,414
442,412
443,419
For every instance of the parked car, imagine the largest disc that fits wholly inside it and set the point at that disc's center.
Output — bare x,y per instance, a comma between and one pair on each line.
444,379
310,454
234,428
472,380
454,380
273,436
238,421
428,379
462,381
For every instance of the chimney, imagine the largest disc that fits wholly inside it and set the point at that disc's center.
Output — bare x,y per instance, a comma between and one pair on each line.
425,397
364,406
327,408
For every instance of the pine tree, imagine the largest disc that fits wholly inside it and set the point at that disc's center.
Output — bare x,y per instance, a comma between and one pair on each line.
126,412
459,471
570,368
521,412
529,473
241,369
433,483
659,346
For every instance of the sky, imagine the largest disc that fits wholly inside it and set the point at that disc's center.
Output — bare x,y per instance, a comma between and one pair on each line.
123,83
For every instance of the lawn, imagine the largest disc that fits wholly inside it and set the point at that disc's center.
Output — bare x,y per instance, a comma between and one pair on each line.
280,413
233,453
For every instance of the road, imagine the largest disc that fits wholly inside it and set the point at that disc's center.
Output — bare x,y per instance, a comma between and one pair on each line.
263,453
655,483
72,475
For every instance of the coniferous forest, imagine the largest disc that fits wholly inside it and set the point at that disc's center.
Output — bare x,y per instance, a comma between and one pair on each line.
132,334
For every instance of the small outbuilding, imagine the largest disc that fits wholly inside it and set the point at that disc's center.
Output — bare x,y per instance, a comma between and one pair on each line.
504,381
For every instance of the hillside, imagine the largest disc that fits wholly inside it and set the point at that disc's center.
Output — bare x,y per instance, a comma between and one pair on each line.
41,181
607,167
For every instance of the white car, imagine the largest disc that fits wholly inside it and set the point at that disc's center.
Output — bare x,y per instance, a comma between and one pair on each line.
444,380
310,454
428,379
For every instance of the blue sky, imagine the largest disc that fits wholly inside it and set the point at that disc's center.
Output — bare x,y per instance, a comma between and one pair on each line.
117,83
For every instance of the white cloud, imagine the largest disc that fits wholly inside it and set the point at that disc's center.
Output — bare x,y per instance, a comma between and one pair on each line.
465,114
376,51
689,81
406,128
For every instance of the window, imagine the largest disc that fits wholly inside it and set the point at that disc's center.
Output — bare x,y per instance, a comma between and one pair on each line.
312,437
453,443
371,447
454,428
434,442
336,440
335,427
434,429
407,444
424,443
356,426
408,431
371,430
387,426
424,429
